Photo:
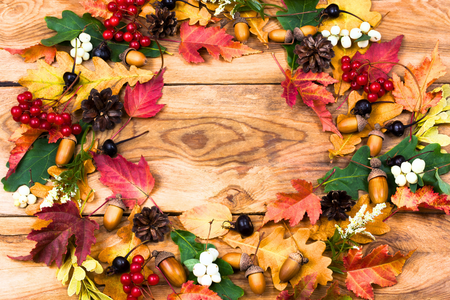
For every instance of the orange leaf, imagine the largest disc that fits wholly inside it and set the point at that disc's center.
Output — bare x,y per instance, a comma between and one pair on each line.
407,94
40,190
378,267
33,53
97,8
190,291
185,11
293,206
302,291
343,146
256,26
423,197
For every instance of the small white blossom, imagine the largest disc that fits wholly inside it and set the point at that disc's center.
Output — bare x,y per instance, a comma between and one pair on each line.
358,223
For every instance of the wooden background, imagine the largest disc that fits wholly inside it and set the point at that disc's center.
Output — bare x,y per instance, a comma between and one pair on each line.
225,135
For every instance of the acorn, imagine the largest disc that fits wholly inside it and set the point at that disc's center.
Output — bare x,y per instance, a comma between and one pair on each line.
239,261
133,57
65,151
352,124
256,280
170,267
114,213
241,29
287,36
304,31
375,141
378,186
292,265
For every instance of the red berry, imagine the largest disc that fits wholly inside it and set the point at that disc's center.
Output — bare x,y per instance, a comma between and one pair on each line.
51,117
361,79
128,36
135,45
345,59
59,120
355,86
140,2
114,21
131,298
21,98
381,93
375,87
132,10
37,102
381,80
25,118
16,111
356,65
45,125
136,292
43,116
67,117
76,129
35,111
346,77
17,119
346,67
35,123
153,279
137,36
112,6
123,8
131,27
125,279
365,73
366,89
66,130
24,106
127,288
121,2
353,74
129,2
145,41
388,85
118,14
137,278
108,34
107,23
372,97
28,96
135,268
118,36
139,259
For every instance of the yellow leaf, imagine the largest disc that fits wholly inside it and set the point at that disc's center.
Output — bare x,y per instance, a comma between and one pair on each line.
197,220
433,136
79,274
64,272
74,287
40,190
343,146
147,9
39,223
47,81
185,11
275,249
256,26
55,171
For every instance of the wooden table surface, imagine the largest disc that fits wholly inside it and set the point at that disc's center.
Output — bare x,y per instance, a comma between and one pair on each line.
225,135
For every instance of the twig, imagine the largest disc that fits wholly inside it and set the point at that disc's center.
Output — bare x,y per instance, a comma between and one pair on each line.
209,232
257,247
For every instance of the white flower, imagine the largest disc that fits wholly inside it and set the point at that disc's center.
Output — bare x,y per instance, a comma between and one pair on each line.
358,223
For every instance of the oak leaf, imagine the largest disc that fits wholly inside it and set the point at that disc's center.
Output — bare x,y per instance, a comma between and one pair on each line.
408,93
343,146
302,291
256,26
190,291
47,81
97,8
214,39
275,249
377,267
33,53
423,197
40,190
184,11
125,178
52,240
197,220
292,207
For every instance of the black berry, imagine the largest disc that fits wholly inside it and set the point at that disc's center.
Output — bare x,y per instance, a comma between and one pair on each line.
362,108
102,51
119,265
243,225
332,11
395,161
109,148
170,4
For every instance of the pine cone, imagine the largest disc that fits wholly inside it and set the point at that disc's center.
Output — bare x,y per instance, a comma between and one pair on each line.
314,53
162,23
104,109
151,225
335,205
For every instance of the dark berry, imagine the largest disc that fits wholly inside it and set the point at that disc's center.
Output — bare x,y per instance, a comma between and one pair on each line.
395,161
102,51
69,78
362,108
244,225
170,4
396,128
109,148
332,11
120,265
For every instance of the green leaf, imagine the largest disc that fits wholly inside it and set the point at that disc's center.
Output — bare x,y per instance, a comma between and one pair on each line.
363,38
254,5
227,290
336,270
187,245
444,186
190,263
38,159
225,268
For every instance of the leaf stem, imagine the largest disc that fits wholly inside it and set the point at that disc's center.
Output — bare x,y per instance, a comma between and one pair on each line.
323,182
167,281
121,128
209,232
257,247
285,15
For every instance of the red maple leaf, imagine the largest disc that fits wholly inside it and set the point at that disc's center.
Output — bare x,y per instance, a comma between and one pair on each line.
190,291
33,53
214,39
382,52
423,197
52,240
97,8
293,206
378,267
125,178
140,102
334,293
302,290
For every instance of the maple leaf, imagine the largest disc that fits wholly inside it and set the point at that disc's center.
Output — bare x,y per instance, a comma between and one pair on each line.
140,102
47,81
377,267
33,53
292,207
408,93
190,291
256,26
423,197
97,8
125,178
197,220
52,240
302,291
214,39
275,249
343,146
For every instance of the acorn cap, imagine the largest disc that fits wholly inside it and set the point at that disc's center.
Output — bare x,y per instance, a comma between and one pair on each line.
123,56
377,131
252,270
298,258
298,34
71,137
161,255
245,263
289,36
117,201
375,162
362,122
376,173
239,19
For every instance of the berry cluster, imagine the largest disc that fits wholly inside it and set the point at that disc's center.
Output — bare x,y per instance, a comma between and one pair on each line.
335,34
81,47
407,172
132,282
23,197
206,271
30,111
374,90
121,9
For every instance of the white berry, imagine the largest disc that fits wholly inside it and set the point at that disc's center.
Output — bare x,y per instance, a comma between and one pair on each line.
365,27
355,33
363,44
80,52
23,190
411,177
78,60
23,205
375,36
84,37
199,270
395,170
16,196
325,33
346,42
23,199
400,180
72,52
406,167
86,56
16,203
206,258
333,39
77,41
212,269
87,46
213,252
31,199
418,165
205,280
344,32
335,30
216,278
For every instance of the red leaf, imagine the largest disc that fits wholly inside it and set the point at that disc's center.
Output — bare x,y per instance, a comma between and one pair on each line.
293,206
378,267
140,102
214,39
97,8
423,197
190,291
334,293
52,240
382,52
302,291
33,53
125,178
23,137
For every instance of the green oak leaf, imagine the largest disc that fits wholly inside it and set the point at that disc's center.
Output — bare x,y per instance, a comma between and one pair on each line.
225,268
187,245
443,186
226,289
38,159
364,37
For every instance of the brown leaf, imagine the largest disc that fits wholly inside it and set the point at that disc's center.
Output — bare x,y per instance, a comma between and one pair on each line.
343,146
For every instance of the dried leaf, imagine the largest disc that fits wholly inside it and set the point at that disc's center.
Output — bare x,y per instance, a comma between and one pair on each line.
302,291
423,197
256,26
197,220
184,11
377,267
40,190
47,81
274,250
97,8
343,146
334,293
190,291
214,39
33,53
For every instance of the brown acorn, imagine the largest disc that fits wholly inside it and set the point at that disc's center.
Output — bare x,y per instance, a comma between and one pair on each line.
241,30
133,57
114,213
292,265
352,124
281,36
302,32
65,151
375,141
240,261
171,267
256,280
378,186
